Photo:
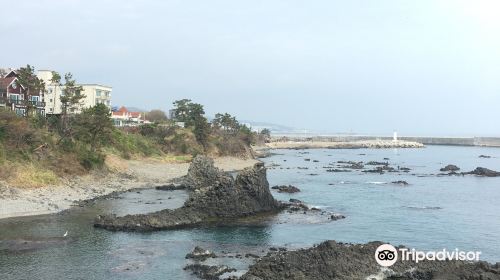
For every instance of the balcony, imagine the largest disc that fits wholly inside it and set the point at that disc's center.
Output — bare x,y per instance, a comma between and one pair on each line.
22,103
38,104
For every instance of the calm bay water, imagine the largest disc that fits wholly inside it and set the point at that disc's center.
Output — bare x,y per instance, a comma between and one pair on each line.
431,213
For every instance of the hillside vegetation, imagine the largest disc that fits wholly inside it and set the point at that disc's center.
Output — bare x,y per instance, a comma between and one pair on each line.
37,151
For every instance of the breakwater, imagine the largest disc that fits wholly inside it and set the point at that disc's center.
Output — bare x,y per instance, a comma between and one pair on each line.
453,141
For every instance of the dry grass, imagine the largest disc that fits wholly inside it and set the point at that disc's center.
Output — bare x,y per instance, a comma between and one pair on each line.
31,176
178,158
116,163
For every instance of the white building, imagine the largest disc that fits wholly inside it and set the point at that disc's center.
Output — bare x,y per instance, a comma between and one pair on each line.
94,94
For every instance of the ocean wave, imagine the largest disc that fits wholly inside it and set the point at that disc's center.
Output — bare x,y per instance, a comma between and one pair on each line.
377,183
423,207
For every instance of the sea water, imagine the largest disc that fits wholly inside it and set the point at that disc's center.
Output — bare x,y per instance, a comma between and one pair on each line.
431,213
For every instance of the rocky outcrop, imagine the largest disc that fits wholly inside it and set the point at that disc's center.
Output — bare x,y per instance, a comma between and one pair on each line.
377,163
400,182
351,164
450,168
485,172
286,189
332,260
214,197
208,272
200,254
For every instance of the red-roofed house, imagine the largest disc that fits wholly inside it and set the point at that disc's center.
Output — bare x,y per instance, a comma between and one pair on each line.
16,97
123,117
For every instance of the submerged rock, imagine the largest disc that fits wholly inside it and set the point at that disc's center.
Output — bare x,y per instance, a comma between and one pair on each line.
200,254
450,168
215,196
26,245
401,183
286,189
484,156
332,260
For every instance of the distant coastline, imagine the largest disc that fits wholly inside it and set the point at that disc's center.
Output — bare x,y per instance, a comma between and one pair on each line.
284,143
451,141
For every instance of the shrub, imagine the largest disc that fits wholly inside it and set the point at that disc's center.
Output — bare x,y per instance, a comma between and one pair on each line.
92,160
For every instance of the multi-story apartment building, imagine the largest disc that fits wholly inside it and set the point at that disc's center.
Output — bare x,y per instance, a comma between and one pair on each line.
53,92
18,98
94,94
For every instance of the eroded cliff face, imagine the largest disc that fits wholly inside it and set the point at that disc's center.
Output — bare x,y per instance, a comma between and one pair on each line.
215,196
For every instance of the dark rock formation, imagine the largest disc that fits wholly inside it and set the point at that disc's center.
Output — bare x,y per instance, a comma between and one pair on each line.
481,171
449,168
332,260
171,187
402,183
377,163
200,254
286,189
484,156
380,169
215,196
208,272
352,164
337,170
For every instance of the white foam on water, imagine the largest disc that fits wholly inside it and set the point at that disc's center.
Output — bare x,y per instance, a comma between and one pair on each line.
376,183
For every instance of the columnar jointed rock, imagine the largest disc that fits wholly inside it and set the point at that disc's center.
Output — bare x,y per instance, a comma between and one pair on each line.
215,196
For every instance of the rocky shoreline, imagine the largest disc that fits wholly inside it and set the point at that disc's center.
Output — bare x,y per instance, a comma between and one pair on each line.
333,260
215,197
124,176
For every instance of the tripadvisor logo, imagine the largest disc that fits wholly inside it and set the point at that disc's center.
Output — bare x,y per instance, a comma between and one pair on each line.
387,255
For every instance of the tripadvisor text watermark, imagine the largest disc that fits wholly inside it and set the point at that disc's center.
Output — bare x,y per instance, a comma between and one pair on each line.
387,255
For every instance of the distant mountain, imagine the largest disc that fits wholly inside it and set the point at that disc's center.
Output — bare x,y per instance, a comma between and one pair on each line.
258,126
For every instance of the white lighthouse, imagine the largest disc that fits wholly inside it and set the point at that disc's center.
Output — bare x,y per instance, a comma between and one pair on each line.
395,136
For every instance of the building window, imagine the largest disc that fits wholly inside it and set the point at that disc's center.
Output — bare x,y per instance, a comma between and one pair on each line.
15,97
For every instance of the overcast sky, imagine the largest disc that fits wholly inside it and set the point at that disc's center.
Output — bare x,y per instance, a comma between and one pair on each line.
420,67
